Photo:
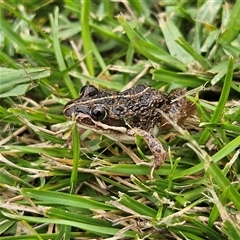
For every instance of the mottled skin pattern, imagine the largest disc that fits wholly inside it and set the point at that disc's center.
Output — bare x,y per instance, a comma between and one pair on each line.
122,115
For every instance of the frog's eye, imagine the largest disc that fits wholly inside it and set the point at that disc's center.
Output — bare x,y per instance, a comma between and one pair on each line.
98,113
88,90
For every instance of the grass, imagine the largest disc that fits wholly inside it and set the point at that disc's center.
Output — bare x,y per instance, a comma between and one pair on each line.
51,188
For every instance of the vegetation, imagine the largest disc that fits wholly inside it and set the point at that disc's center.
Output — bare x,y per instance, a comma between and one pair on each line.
51,188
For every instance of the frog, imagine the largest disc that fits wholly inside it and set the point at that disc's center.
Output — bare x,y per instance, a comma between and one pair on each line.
136,111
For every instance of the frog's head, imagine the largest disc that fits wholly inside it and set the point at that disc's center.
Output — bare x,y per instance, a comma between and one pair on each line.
100,112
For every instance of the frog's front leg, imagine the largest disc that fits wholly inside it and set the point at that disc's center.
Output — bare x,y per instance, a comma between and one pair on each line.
154,145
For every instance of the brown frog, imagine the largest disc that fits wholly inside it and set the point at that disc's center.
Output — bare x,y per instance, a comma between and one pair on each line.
122,115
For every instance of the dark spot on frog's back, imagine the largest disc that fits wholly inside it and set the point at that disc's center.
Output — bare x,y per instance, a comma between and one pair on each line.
136,107
145,99
119,110
109,101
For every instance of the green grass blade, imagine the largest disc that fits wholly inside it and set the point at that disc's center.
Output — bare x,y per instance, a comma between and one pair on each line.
86,35
222,101
192,52
12,81
93,228
22,45
171,32
137,206
229,148
76,154
150,51
233,26
58,52
169,77
56,198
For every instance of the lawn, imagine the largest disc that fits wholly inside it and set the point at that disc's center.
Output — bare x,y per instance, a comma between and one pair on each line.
61,182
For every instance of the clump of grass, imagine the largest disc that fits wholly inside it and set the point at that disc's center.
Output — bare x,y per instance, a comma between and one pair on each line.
52,188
